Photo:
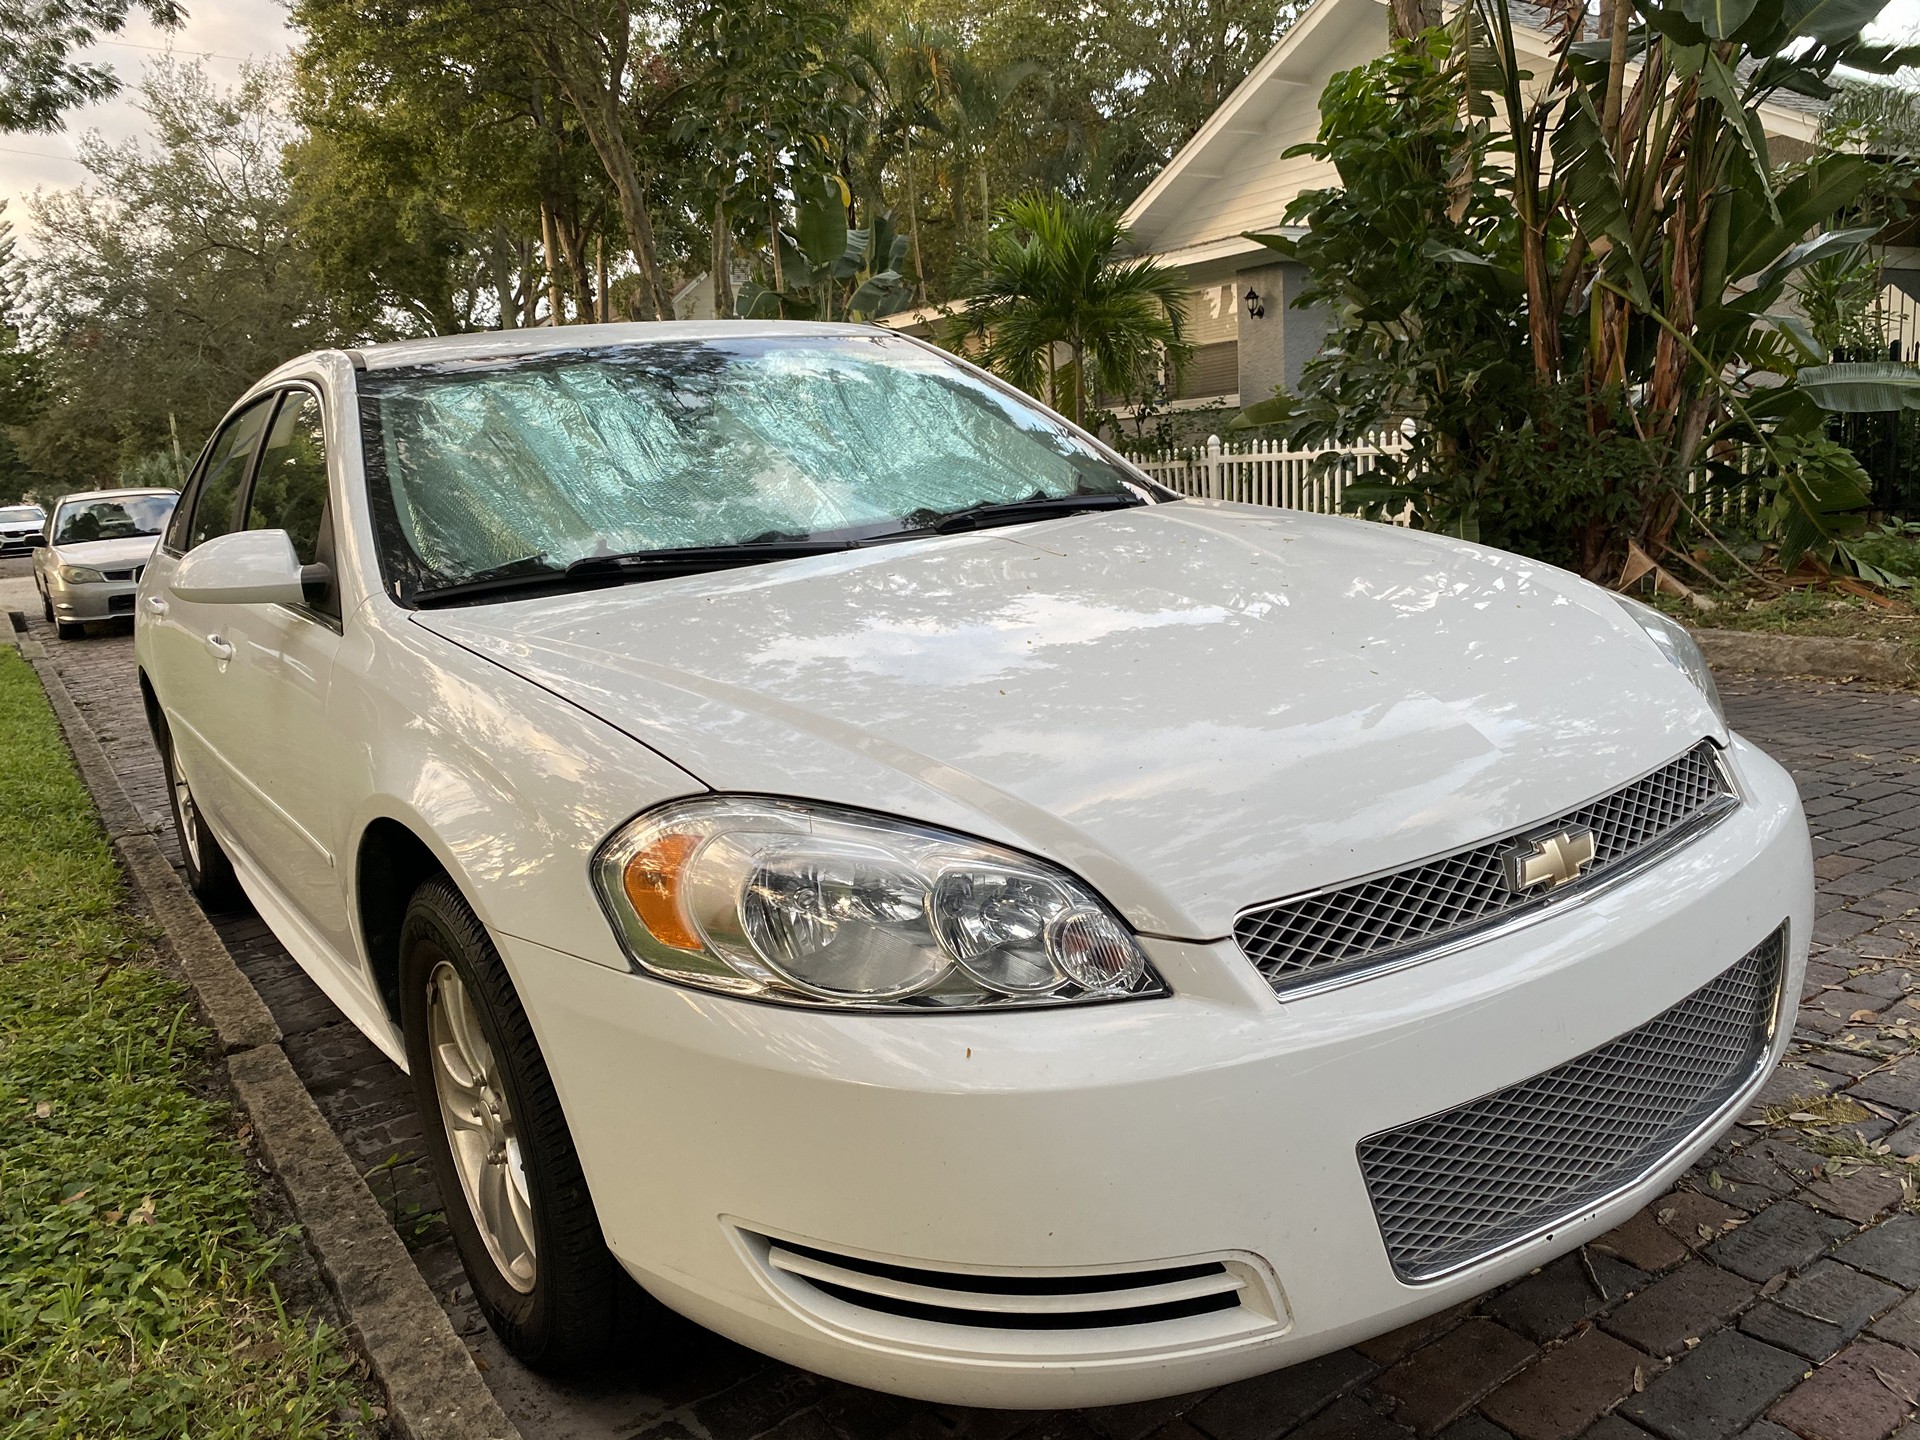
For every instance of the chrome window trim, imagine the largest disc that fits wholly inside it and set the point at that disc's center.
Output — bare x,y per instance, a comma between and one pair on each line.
1514,917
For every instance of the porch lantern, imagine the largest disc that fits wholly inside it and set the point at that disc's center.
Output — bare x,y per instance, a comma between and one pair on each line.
1255,309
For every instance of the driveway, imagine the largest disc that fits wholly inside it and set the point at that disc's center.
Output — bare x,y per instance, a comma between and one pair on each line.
1770,1295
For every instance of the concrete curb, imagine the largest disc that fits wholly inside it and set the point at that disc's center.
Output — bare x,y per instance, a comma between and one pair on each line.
434,1390
1822,657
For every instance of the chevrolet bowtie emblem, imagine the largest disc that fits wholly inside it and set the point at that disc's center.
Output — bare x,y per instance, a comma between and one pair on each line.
1549,860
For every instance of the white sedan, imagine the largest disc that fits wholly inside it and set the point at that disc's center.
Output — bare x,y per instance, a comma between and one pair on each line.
837,846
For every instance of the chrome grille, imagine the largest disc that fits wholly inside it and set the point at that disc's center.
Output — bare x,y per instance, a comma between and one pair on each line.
1458,1186
1298,942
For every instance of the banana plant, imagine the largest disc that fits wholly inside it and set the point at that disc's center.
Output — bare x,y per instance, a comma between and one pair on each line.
833,271
1625,197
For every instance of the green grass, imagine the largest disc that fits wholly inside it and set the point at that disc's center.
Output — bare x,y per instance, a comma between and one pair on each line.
135,1290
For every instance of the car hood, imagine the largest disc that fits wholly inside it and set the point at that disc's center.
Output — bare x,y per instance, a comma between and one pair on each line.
1194,706
107,554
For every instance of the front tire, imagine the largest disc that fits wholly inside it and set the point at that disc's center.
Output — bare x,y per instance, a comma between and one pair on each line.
516,1200
209,872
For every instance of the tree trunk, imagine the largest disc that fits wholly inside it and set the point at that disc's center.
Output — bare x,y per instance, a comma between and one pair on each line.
1614,20
1407,18
720,260
596,100
499,265
573,250
600,310
913,228
556,315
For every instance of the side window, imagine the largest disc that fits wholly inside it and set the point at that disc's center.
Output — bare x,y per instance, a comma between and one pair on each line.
216,496
290,487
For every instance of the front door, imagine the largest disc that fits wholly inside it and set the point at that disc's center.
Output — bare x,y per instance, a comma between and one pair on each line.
272,727
187,656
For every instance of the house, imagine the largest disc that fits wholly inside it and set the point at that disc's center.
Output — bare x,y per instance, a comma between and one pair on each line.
1230,178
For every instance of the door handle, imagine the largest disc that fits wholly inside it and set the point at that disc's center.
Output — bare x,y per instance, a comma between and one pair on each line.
156,605
220,648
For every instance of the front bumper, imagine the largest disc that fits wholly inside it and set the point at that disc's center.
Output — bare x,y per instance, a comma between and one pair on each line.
95,600
23,543
1216,1128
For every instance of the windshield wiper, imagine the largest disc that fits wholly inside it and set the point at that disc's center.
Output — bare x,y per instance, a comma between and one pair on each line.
640,565
693,559
1037,507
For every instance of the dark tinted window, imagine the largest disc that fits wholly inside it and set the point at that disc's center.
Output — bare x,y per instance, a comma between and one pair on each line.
124,517
290,487
218,493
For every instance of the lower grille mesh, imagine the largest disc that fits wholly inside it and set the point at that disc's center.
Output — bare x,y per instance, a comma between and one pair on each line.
1460,1185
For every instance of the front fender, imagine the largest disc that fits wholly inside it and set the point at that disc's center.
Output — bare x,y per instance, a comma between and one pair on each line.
509,787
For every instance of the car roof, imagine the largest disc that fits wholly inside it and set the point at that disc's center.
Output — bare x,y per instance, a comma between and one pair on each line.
500,344
115,494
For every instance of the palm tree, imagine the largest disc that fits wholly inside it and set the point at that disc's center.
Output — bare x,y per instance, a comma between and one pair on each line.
1057,308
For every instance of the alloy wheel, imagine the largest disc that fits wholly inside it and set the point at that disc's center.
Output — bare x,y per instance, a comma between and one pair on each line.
480,1127
183,806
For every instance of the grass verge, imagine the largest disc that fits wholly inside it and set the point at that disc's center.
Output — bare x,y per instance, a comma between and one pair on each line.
136,1296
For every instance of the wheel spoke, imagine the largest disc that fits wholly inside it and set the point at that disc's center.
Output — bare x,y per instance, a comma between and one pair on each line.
460,1097
465,1028
518,1197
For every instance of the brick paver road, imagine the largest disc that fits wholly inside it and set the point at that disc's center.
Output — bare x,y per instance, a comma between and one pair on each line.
1771,1295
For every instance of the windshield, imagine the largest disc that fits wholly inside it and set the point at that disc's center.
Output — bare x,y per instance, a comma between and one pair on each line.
125,517
537,463
21,515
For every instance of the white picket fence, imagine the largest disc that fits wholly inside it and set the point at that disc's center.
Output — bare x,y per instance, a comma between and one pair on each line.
1264,472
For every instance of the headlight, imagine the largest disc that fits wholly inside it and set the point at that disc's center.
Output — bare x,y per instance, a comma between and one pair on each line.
81,575
820,906
1679,647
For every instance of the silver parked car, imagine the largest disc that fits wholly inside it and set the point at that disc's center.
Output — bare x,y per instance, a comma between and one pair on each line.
97,547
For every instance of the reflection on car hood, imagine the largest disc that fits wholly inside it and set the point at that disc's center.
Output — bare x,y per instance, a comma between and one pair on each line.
1195,706
106,554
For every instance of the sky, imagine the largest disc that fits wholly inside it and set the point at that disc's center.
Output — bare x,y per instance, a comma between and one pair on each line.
221,33
226,33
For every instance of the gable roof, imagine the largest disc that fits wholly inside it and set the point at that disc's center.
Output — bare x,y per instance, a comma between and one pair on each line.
1230,176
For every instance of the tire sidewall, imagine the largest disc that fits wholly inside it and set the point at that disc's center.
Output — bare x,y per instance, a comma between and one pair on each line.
430,934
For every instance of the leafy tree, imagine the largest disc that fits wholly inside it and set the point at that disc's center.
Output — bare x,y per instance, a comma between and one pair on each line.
1636,217
175,279
1057,311
441,180
19,381
833,272
39,78
763,100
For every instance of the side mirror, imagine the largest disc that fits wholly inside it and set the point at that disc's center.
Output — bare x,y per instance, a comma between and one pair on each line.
247,567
